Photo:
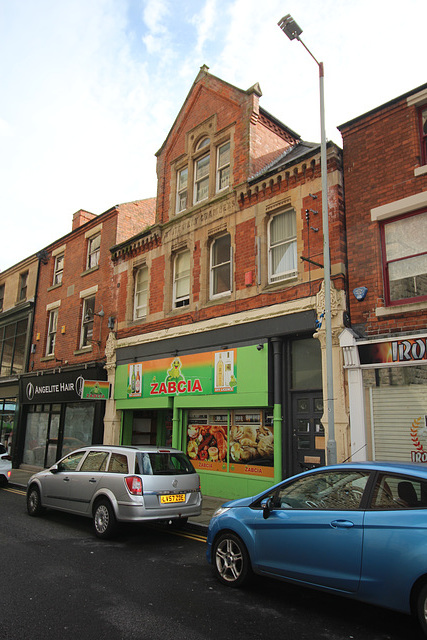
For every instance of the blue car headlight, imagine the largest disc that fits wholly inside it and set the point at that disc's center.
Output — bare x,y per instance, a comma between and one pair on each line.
220,511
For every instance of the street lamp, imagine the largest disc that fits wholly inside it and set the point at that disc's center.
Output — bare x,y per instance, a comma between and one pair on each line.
293,31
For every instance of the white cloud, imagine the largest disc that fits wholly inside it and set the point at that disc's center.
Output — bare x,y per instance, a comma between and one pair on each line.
204,23
94,87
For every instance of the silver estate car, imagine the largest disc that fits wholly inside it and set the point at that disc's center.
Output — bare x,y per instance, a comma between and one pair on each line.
113,484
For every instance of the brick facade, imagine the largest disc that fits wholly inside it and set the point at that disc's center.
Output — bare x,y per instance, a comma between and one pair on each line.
272,173
382,166
78,281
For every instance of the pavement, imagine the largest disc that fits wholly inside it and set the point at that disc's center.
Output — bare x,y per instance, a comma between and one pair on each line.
20,477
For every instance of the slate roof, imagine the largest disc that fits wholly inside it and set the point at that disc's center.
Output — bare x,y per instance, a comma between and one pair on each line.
289,157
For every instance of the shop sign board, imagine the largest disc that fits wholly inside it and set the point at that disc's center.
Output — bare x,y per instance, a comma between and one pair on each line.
95,390
394,352
197,374
67,386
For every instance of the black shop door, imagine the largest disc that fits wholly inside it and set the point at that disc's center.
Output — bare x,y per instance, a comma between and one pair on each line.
308,434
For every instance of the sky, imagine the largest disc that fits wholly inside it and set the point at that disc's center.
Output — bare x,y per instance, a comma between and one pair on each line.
90,88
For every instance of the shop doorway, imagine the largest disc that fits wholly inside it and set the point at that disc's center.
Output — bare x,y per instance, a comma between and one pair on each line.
144,428
308,434
52,440
54,430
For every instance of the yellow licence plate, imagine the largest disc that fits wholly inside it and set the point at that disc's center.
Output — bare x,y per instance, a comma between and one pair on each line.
178,497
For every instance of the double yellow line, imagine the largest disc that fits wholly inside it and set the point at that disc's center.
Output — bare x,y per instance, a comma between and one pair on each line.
188,534
18,491
184,534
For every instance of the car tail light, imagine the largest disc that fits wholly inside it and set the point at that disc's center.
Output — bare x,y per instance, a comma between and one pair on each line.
134,485
9,473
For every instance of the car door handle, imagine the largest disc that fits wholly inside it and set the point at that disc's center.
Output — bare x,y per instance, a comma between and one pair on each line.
342,524
92,480
67,479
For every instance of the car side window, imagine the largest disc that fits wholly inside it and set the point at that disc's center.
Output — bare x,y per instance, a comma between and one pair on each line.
95,461
71,462
399,492
118,463
334,490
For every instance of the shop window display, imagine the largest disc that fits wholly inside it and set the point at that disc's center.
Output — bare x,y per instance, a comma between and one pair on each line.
232,441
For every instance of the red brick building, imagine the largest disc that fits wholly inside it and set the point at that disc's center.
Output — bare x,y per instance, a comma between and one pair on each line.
17,300
220,299
76,307
385,179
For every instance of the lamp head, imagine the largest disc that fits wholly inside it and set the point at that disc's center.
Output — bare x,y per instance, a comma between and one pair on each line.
290,27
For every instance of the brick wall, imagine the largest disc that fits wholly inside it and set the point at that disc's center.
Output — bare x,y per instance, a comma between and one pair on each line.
381,151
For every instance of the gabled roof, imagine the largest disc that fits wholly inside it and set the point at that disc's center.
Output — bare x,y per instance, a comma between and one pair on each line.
279,123
202,74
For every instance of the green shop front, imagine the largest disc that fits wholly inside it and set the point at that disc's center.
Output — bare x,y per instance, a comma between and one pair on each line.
229,407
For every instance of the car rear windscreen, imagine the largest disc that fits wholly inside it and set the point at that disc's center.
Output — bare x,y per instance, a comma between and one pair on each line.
162,463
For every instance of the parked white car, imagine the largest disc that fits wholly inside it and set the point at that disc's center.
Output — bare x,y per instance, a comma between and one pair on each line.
119,484
5,465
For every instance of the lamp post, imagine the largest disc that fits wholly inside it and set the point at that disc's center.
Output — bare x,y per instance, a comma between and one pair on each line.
293,31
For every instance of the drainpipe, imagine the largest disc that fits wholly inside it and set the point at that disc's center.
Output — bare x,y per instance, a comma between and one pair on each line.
277,408
175,427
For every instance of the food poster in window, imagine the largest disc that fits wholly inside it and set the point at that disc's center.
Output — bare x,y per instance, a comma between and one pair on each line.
246,447
251,444
196,374
207,440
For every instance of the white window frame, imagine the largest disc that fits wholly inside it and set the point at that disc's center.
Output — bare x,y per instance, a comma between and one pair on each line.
199,180
93,253
58,269
23,286
86,331
181,191
178,278
51,331
221,168
140,310
287,243
220,265
402,255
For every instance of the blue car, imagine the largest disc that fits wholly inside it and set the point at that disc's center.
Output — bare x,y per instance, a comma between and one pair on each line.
355,529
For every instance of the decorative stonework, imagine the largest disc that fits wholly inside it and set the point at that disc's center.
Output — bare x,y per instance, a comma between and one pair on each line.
197,220
337,301
110,352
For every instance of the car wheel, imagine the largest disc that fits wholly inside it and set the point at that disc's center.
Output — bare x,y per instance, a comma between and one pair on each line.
34,504
422,608
104,519
231,561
